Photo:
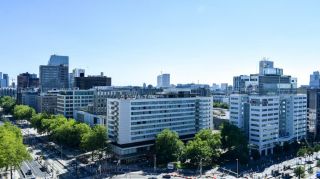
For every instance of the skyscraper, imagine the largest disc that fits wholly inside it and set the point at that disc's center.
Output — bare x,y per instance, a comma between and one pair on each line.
315,80
56,60
26,81
163,81
55,75
272,114
6,80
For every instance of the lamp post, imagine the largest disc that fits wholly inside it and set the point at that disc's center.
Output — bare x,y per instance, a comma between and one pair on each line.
154,163
237,168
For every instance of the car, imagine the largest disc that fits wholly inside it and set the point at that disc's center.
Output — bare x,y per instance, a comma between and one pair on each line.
166,176
29,172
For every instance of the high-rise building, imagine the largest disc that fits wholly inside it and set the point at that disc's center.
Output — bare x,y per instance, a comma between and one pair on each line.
134,123
57,60
55,75
26,81
91,81
163,81
270,81
224,87
315,80
4,80
77,72
268,108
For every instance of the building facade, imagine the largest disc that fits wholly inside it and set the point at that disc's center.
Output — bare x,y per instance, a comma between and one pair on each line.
134,123
91,81
70,100
163,81
55,75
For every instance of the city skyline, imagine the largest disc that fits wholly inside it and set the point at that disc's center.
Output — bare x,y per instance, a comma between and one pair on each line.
204,41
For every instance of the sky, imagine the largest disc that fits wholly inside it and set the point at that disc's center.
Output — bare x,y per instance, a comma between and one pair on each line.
132,41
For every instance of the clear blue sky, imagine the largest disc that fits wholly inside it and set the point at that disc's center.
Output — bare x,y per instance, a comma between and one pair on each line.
134,40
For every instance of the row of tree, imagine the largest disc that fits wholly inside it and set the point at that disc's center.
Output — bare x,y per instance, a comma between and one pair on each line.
68,132
12,150
207,146
65,132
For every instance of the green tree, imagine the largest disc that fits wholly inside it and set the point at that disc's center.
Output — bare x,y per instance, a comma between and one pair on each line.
12,150
213,139
96,139
302,152
299,172
234,142
36,121
21,112
197,151
7,103
168,146
317,148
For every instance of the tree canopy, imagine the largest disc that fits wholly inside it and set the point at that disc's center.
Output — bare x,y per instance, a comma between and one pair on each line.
235,142
7,103
12,150
168,146
21,112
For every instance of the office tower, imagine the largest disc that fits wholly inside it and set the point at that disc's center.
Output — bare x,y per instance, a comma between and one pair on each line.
70,100
77,72
215,87
270,81
163,81
268,109
4,80
55,75
57,60
91,81
224,87
26,81
314,80
264,64
133,123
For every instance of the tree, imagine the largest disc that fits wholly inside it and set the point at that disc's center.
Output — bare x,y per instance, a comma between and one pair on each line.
317,148
12,150
7,103
302,152
299,172
220,105
37,120
96,139
21,112
235,142
168,147
213,139
197,151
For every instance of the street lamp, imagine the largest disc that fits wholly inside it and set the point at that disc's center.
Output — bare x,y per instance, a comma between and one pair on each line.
237,168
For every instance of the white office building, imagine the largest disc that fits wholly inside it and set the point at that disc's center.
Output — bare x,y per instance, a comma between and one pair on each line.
270,119
264,123
70,100
163,81
133,123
